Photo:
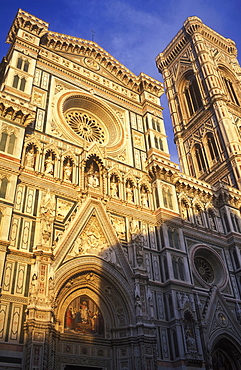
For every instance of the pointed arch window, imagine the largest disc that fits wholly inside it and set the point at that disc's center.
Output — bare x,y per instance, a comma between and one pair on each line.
199,158
7,142
22,84
19,83
23,64
16,81
173,237
192,95
230,89
3,187
212,147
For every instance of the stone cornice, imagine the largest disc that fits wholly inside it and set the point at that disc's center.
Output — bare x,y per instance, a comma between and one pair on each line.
16,111
27,22
191,26
74,46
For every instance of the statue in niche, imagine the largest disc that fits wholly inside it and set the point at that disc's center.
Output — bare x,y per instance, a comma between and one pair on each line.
189,332
49,164
93,177
184,211
47,216
144,197
83,316
190,340
138,243
129,192
30,158
114,192
198,216
67,170
211,220
138,305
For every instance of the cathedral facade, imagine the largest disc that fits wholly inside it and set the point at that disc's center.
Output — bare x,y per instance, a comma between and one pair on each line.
111,257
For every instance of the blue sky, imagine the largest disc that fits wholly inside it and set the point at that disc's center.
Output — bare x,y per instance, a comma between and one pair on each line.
134,32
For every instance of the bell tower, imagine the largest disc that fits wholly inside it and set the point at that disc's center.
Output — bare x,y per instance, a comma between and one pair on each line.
203,82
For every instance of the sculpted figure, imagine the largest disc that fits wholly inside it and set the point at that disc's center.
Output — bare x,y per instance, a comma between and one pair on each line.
49,165
144,197
114,188
67,171
129,192
30,158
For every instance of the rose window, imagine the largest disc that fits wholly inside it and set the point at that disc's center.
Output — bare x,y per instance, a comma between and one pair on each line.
85,126
204,269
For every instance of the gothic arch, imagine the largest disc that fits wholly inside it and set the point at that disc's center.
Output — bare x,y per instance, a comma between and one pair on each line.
212,151
228,81
95,278
115,172
225,353
197,152
188,87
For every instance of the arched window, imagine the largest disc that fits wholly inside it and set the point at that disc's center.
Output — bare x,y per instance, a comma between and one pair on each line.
22,84
199,158
19,83
26,66
19,63
11,143
7,142
166,268
3,187
230,90
181,269
212,147
192,95
190,165
3,141
156,142
164,195
160,144
173,237
158,127
175,267
149,141
15,81
169,199
23,64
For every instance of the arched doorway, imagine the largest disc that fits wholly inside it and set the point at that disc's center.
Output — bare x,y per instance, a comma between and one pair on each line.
226,356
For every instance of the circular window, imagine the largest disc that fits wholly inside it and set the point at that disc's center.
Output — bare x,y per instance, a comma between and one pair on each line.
85,126
83,118
208,266
204,269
